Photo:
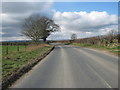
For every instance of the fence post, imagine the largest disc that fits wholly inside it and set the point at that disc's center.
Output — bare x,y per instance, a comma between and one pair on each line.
7,49
25,46
17,47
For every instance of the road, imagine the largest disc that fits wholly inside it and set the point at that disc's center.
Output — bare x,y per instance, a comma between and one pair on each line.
72,67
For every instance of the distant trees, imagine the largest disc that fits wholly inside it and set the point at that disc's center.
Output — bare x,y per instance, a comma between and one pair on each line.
73,36
111,39
39,27
111,36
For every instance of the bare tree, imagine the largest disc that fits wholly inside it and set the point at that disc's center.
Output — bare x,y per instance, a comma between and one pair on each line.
38,27
73,36
111,36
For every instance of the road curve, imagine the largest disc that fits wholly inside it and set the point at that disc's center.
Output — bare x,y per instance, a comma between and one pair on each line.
72,67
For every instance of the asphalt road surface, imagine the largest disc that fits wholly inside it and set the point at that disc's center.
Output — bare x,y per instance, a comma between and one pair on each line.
72,67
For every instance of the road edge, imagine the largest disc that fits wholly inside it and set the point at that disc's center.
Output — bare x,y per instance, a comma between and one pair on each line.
107,52
99,50
14,77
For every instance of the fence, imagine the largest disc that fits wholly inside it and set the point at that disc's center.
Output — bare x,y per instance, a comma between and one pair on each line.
10,47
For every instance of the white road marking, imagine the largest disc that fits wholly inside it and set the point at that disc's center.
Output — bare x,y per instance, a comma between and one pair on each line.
101,61
105,82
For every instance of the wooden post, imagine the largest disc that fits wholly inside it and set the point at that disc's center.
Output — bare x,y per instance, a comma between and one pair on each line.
18,47
7,49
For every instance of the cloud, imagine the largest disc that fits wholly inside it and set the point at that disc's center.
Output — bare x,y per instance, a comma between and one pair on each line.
85,24
27,1
2,33
61,1
25,7
15,38
82,23
14,13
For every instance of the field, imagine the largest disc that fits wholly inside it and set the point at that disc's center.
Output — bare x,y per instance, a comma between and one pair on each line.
16,59
12,49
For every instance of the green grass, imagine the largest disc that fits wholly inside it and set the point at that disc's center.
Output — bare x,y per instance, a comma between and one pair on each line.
11,49
115,49
82,45
16,60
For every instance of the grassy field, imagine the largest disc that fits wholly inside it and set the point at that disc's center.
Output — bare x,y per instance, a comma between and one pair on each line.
16,59
115,50
12,49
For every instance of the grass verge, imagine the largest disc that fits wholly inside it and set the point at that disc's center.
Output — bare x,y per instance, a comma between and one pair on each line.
113,50
19,62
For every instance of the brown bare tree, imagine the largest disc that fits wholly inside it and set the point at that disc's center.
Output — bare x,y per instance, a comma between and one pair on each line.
111,36
38,27
73,36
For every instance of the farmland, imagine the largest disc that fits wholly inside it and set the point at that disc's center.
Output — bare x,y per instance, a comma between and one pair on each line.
12,49
15,59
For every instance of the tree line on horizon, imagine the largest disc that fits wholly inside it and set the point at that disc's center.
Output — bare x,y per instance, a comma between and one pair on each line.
111,38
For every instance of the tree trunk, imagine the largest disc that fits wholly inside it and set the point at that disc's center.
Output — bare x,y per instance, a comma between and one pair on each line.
44,39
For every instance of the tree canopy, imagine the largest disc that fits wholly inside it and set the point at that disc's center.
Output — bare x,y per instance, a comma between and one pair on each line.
39,27
73,36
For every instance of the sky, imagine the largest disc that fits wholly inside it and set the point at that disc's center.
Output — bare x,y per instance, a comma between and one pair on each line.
86,19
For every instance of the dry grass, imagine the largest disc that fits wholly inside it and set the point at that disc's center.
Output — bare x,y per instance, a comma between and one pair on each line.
34,47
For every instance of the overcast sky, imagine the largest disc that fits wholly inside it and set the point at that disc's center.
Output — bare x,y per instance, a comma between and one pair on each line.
85,19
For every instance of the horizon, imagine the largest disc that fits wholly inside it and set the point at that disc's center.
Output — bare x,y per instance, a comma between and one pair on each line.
89,18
